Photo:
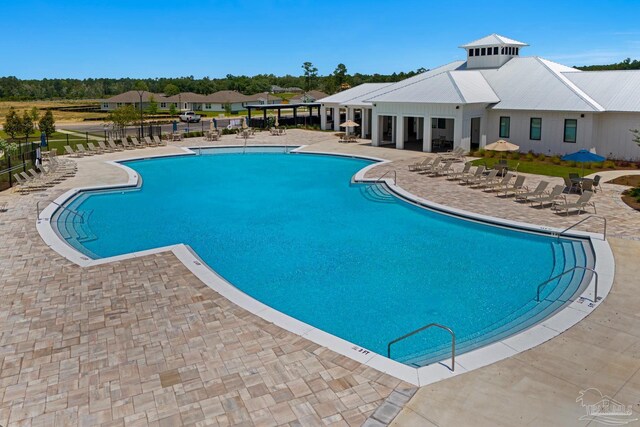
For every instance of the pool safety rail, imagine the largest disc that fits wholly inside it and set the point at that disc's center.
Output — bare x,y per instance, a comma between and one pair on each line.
60,206
604,232
430,325
571,270
395,176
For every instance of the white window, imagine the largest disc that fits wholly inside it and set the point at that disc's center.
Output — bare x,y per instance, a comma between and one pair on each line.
163,105
207,106
105,105
119,104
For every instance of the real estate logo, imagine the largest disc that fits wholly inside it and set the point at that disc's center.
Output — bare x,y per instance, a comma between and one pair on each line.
603,409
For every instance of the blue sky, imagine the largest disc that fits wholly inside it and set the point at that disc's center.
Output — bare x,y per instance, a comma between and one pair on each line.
51,39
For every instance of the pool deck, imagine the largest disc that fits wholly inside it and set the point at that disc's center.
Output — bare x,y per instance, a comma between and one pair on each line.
144,342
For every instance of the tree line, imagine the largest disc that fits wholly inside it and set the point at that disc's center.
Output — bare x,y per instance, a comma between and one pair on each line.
14,89
626,64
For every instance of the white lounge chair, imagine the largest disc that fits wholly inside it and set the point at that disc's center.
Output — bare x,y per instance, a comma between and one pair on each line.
71,153
500,184
580,204
472,176
515,188
417,166
555,194
458,175
537,192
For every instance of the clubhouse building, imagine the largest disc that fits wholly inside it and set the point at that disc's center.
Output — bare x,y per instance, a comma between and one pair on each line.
497,93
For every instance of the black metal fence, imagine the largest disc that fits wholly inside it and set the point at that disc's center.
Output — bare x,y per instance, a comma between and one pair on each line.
18,161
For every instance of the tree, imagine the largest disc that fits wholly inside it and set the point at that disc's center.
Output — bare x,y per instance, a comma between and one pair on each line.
27,127
47,124
636,135
310,75
171,90
228,109
123,116
152,108
8,147
12,123
340,75
35,114
173,110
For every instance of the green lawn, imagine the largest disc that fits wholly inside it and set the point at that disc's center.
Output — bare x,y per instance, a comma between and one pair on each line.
540,167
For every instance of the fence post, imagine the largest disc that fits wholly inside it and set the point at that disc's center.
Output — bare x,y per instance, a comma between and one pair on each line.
105,135
67,138
24,164
9,166
86,135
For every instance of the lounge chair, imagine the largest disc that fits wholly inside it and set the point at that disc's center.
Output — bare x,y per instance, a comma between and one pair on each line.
126,145
478,173
442,170
555,194
456,154
431,167
539,191
497,185
104,147
159,141
276,132
71,153
3,206
416,166
515,188
93,149
80,149
580,204
485,180
459,174
114,146
136,143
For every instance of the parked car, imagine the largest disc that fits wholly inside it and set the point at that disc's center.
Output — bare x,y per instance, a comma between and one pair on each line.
189,117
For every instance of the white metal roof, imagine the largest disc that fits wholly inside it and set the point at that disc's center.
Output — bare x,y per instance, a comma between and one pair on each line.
532,83
492,40
446,87
617,90
347,97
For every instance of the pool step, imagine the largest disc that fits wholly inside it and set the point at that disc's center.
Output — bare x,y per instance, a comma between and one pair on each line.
377,193
561,292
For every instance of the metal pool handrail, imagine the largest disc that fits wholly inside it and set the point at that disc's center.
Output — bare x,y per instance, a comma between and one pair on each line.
430,325
60,206
604,234
546,282
395,176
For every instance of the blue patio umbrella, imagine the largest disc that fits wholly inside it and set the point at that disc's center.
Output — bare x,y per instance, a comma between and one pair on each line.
583,156
215,124
175,126
43,140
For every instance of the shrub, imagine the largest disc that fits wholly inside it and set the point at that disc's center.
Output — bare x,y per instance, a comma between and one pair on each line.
489,154
542,157
529,156
515,155
226,131
556,160
481,152
608,164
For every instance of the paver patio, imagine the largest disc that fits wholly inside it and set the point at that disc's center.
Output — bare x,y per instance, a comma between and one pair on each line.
144,342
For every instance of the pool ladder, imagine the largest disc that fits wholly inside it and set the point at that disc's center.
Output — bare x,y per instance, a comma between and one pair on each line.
395,176
60,206
604,231
571,270
430,325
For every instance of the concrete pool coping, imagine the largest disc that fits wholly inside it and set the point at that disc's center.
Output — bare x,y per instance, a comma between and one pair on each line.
529,338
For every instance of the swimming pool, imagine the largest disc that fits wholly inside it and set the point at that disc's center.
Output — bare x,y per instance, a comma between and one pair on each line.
293,232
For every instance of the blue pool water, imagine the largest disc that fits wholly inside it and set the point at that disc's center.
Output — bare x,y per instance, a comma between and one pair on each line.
293,232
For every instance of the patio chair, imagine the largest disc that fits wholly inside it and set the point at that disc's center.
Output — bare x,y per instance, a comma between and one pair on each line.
70,152
430,167
586,185
104,147
126,145
580,204
456,154
136,143
537,192
482,180
159,141
114,146
497,185
442,170
555,194
93,149
515,188
596,183
570,185
478,173
149,141
459,174
416,166
3,206
80,149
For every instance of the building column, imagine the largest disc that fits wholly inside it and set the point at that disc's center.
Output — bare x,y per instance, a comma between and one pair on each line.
457,134
323,118
375,124
364,125
336,118
426,137
399,132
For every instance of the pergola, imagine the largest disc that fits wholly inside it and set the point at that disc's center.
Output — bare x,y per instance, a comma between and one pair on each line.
265,107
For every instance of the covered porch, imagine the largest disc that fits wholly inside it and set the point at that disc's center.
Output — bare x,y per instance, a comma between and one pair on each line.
332,115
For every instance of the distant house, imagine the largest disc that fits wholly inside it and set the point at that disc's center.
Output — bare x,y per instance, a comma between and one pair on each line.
311,96
131,97
278,89
264,98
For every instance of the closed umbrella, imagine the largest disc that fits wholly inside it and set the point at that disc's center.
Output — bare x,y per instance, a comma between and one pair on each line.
583,156
215,124
349,124
175,126
211,126
244,123
277,123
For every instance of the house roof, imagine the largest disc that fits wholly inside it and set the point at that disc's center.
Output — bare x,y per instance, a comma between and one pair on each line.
185,97
227,97
492,40
614,90
313,94
533,83
355,94
133,96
